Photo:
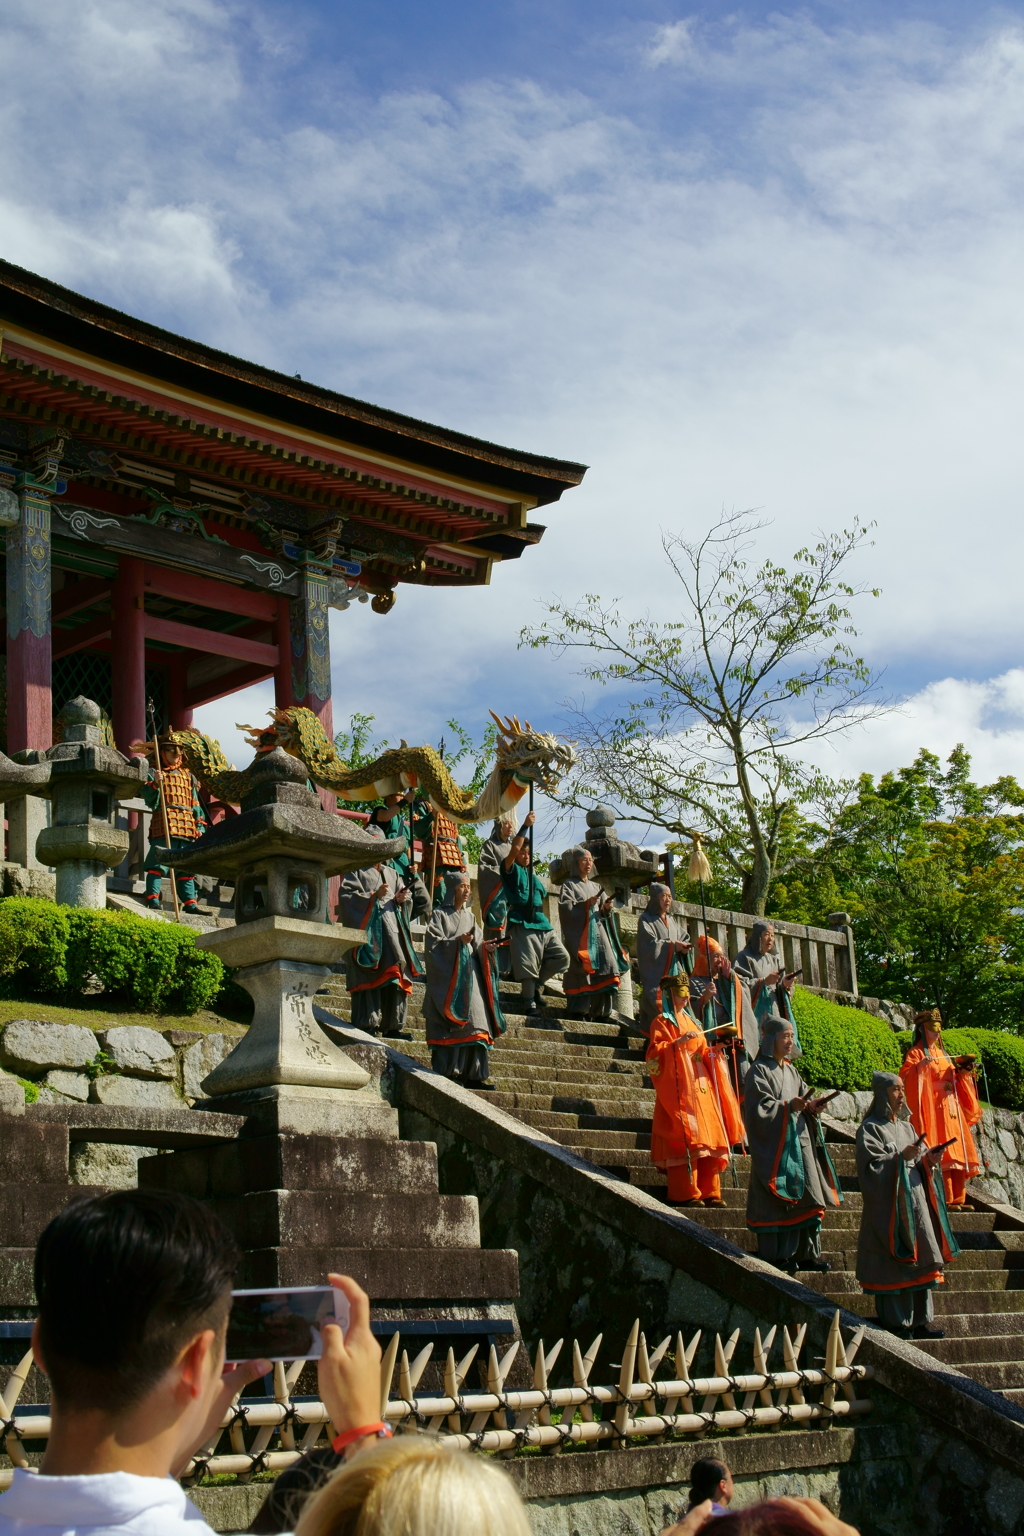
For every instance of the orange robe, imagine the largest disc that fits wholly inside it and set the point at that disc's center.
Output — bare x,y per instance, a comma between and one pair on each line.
943,1104
696,1117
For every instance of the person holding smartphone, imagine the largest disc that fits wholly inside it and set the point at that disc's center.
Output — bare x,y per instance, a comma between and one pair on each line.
767,984
792,1179
905,1238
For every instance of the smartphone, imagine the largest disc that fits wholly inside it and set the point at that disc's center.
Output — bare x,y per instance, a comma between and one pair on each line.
943,1145
791,974
283,1324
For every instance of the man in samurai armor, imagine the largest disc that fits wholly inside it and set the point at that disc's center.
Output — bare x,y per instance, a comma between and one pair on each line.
172,794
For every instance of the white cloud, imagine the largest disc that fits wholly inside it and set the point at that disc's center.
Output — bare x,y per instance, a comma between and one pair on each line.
672,43
815,309
987,715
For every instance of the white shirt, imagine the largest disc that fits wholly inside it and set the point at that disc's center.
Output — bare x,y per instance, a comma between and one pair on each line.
107,1504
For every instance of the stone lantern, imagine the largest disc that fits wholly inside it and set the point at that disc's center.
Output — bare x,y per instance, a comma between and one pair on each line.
84,779
280,852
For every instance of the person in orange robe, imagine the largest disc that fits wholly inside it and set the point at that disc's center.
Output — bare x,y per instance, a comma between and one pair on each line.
696,1117
942,1097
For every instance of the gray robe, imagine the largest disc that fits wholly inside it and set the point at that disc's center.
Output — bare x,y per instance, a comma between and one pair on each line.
573,916
653,937
880,1141
492,856
353,896
769,1087
443,944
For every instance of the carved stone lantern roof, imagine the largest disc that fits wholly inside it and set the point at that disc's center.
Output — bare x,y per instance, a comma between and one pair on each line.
283,818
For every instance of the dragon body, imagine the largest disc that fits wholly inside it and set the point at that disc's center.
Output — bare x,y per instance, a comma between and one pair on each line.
524,756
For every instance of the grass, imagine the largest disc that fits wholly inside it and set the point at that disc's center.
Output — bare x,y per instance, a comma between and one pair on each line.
99,1013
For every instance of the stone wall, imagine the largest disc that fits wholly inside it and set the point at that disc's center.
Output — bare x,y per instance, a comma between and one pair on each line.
638,1492
126,1066
999,1138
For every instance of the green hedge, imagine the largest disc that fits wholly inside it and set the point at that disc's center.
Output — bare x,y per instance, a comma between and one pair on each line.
1002,1056
52,951
842,1046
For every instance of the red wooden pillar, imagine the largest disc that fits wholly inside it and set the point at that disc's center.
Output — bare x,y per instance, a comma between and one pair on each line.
128,653
29,643
180,714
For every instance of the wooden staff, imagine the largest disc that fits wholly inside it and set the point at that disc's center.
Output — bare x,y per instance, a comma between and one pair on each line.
433,859
163,807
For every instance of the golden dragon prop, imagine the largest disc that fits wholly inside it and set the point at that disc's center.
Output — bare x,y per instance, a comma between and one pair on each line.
523,756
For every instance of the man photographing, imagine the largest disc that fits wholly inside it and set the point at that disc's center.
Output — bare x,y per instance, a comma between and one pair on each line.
134,1291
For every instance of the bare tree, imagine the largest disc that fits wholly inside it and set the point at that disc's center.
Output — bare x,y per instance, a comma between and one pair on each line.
717,706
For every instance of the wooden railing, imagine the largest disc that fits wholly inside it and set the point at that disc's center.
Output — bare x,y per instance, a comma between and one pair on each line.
825,956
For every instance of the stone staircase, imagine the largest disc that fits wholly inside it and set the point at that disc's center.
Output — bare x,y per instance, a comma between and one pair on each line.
585,1086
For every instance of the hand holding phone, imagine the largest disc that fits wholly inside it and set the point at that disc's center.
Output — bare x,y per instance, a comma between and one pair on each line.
348,1372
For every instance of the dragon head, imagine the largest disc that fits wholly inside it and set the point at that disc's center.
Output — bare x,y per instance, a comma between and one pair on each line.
535,755
281,732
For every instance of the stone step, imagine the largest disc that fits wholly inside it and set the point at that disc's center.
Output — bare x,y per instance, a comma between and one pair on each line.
981,1325
513,1100
282,1217
966,1353
999,1375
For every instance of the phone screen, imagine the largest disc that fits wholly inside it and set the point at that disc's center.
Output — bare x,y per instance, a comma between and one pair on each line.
283,1324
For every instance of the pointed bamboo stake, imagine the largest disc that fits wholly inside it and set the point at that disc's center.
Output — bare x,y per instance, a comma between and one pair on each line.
624,1410
849,1390
8,1401
660,1353
419,1365
495,1385
790,1356
643,1364
451,1389
582,1365
387,1372
828,1397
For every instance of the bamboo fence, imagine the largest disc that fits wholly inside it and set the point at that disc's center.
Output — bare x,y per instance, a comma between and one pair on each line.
510,1421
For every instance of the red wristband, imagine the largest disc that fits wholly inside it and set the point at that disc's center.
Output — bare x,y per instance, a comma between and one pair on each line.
380,1429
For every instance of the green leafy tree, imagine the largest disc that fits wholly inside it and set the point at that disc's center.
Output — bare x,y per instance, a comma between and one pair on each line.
718,703
931,866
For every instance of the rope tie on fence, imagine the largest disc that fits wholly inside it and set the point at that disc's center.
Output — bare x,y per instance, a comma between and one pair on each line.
239,1416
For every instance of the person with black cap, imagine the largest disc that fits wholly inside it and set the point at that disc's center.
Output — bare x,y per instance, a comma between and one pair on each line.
905,1237
792,1180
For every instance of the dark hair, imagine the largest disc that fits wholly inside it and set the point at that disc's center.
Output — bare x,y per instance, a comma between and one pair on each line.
776,1517
123,1281
705,1476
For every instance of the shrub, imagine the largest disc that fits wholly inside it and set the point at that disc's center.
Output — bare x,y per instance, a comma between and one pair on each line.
33,943
1002,1056
842,1046
48,950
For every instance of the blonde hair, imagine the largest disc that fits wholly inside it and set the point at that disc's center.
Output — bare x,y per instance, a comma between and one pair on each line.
414,1486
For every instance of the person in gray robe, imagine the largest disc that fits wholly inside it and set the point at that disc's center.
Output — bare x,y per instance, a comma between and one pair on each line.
664,958
537,954
905,1237
767,986
460,1008
792,1180
596,961
379,973
491,888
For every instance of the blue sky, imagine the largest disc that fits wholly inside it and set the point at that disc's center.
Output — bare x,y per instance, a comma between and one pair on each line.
728,256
